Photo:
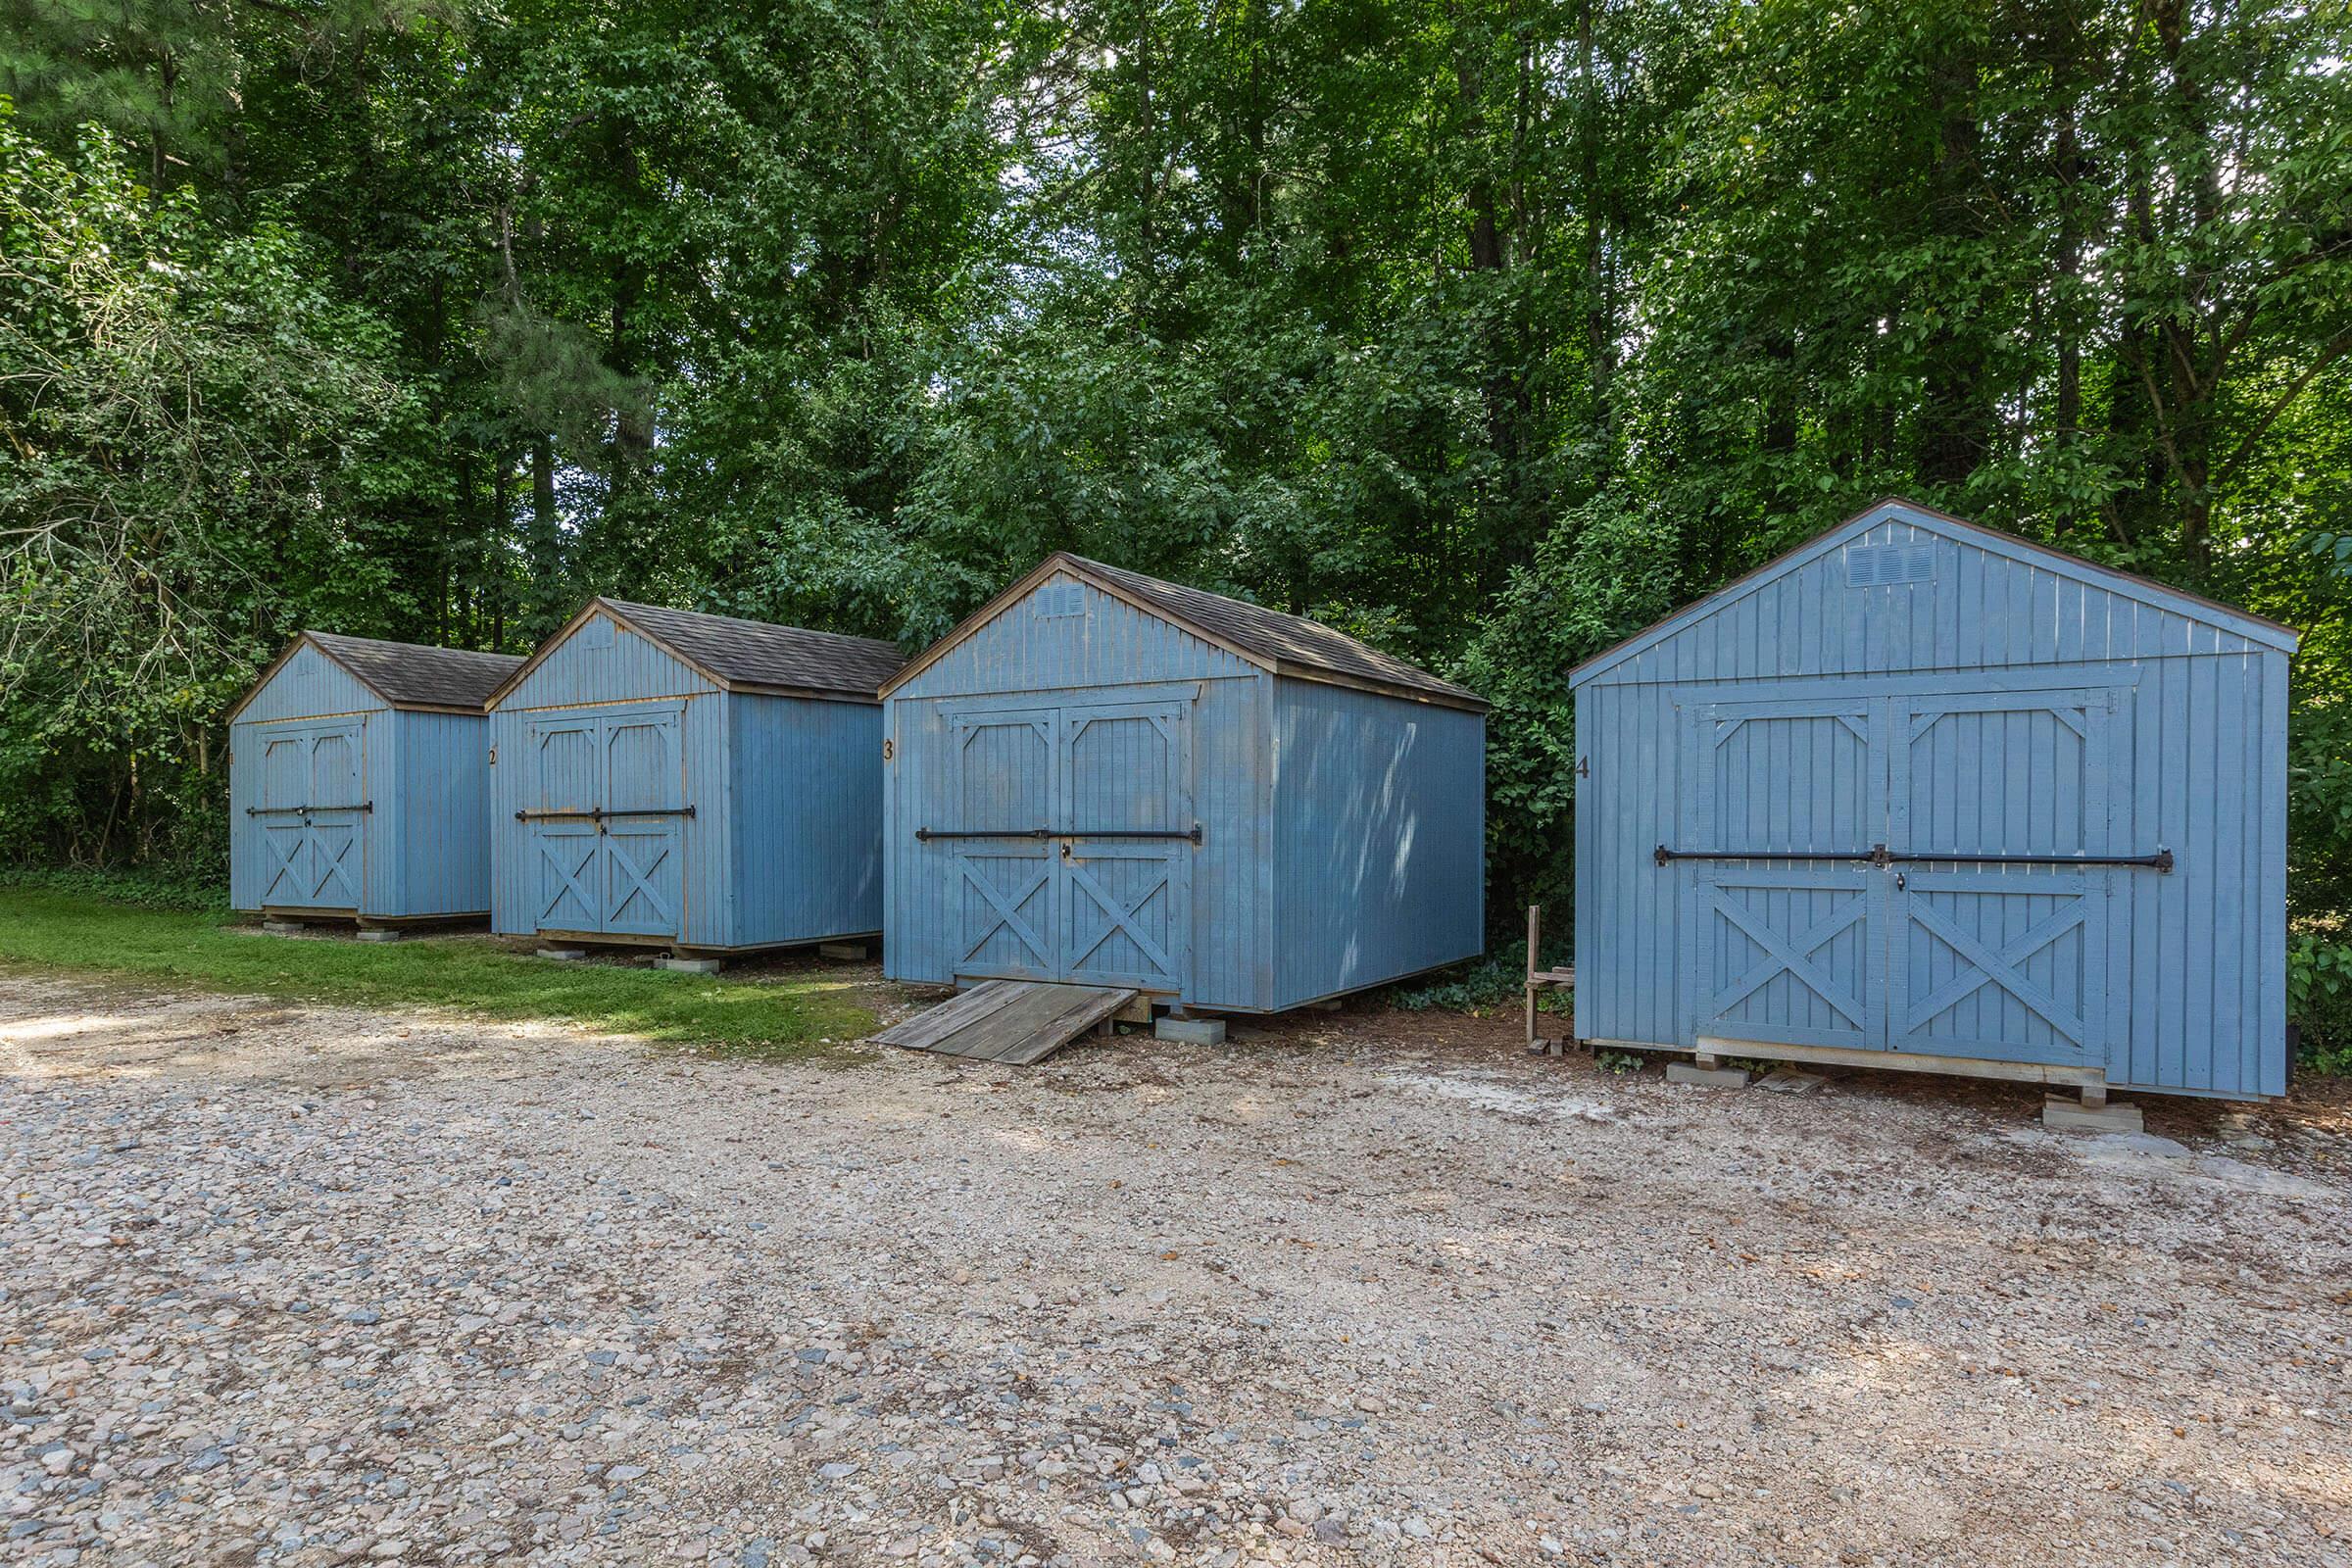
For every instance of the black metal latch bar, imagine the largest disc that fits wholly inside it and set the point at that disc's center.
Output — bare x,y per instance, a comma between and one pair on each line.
2160,861
600,813
924,835
305,811
1875,855
1879,855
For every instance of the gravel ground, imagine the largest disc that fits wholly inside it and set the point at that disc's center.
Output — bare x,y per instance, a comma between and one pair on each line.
307,1287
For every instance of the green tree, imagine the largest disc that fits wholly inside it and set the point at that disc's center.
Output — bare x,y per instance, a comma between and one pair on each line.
193,429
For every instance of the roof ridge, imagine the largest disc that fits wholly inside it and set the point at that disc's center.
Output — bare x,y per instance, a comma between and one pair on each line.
319,635
744,621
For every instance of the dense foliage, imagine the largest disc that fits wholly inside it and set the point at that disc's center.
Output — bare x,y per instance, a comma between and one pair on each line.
1487,332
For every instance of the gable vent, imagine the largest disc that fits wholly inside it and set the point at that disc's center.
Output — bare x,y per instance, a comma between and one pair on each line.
1876,565
1061,598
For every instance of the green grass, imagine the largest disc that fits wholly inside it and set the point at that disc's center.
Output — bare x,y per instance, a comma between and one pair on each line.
89,936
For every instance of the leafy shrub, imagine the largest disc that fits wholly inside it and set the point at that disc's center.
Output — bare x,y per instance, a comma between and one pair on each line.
2318,998
149,889
1481,983
1607,570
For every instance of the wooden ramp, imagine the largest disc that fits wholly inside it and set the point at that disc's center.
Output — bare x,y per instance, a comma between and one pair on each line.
1012,1021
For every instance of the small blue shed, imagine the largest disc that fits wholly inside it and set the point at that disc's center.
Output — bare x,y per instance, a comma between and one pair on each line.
697,782
1923,795
357,785
1107,780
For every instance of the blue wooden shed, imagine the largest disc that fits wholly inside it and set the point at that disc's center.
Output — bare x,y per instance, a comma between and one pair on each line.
698,782
1103,778
357,783
1919,794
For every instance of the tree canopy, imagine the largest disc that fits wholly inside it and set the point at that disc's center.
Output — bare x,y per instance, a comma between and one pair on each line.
1487,332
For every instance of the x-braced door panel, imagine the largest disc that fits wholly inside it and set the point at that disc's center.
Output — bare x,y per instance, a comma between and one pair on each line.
1005,889
336,857
1126,863
1790,955
1788,935
1004,896
1071,838
604,821
1904,872
285,774
566,852
1997,945
311,817
644,785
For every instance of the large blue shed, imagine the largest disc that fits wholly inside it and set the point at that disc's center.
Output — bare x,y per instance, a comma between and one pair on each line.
357,784
690,781
1107,780
1919,794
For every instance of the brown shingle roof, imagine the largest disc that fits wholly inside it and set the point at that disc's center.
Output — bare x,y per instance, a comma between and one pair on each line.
417,675
754,653
1292,644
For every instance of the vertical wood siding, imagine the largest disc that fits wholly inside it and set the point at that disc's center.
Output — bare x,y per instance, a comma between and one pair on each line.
603,671
442,827
1110,643
1979,610
309,685
808,794
1380,838
604,662
2088,723
425,848
784,844
997,730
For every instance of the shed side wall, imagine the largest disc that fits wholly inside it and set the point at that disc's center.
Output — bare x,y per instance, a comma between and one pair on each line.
441,824
1380,834
808,811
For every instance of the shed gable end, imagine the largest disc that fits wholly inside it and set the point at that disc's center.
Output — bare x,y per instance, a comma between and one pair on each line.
1065,632
1902,589
601,661
306,685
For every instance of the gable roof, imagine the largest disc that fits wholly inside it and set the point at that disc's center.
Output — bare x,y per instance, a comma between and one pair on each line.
741,655
408,675
1895,509
1285,644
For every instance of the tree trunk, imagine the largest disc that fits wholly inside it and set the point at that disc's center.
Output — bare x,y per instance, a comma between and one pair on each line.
547,536
1601,338
1957,411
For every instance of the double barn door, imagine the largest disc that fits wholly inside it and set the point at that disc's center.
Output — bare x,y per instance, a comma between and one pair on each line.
608,803
1069,832
1917,872
313,815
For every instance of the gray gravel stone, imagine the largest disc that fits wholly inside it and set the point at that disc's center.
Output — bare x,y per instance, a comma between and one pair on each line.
294,1287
